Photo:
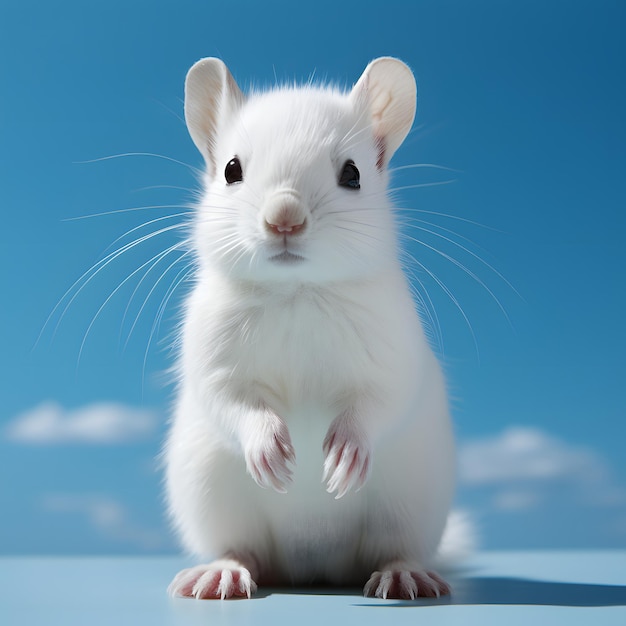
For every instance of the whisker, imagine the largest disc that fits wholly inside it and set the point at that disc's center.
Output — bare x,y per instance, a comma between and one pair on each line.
169,110
452,297
421,165
358,232
148,223
177,187
420,185
188,270
231,241
159,258
368,138
110,296
156,325
350,135
93,271
466,270
468,251
405,212
196,171
239,255
128,210
409,221
201,205
447,216
424,301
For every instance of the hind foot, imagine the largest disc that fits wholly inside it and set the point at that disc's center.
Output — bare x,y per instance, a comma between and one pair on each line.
225,578
400,581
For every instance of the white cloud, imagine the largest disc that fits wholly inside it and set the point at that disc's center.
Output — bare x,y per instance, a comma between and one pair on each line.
105,423
516,500
526,454
106,515
521,467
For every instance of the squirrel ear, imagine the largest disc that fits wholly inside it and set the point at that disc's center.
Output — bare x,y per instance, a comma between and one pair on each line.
387,88
211,95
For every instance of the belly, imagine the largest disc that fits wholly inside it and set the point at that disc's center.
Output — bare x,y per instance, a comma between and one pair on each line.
316,537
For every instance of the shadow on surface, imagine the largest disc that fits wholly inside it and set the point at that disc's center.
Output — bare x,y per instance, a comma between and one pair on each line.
312,590
479,591
518,591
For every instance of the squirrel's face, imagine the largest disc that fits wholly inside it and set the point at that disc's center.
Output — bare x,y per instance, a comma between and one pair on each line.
296,186
296,192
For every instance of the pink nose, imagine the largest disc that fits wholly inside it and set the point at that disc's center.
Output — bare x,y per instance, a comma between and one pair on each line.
284,214
285,226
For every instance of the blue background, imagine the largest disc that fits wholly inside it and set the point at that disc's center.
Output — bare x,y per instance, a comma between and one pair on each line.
523,101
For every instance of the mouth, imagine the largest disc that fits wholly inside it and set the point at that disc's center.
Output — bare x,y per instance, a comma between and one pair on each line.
287,258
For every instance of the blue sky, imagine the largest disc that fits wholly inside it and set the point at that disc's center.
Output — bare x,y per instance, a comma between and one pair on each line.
524,101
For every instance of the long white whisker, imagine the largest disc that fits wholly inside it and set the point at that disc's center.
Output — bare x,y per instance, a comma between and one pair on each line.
94,270
145,154
419,185
110,296
188,270
404,212
421,165
149,223
450,295
424,299
177,187
468,251
360,233
169,110
128,210
409,221
230,242
156,325
158,259
352,133
464,269
447,216
242,251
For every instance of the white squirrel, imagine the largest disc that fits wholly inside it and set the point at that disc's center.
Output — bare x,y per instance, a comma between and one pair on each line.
311,440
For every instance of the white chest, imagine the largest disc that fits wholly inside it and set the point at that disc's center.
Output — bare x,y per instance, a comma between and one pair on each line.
308,346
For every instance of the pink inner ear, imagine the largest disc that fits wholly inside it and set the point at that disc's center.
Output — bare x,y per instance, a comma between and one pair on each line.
380,146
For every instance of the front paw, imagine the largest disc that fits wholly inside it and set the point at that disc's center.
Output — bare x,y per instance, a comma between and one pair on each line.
347,457
269,453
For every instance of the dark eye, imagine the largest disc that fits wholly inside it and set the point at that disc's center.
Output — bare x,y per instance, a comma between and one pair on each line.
350,176
233,173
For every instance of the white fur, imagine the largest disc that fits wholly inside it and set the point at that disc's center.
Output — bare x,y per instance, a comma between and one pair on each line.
318,367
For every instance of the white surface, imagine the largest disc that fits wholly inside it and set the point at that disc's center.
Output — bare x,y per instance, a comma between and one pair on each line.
503,588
